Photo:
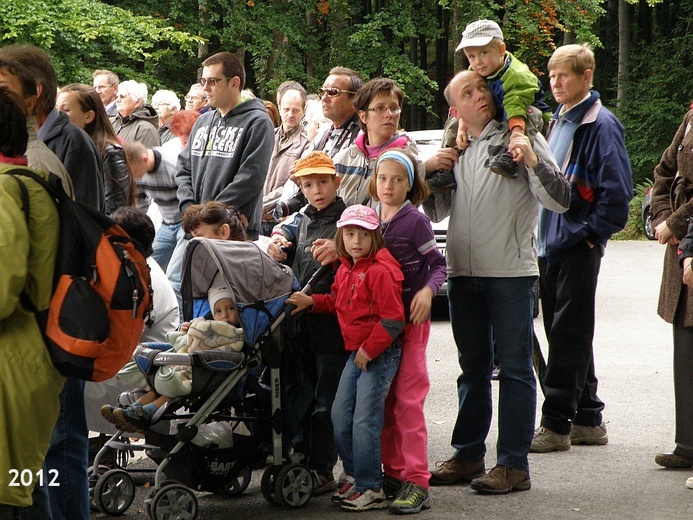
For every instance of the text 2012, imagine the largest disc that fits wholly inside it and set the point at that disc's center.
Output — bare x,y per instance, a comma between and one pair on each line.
26,477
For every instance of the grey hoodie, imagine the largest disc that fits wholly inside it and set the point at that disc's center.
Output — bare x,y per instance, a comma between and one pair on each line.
227,159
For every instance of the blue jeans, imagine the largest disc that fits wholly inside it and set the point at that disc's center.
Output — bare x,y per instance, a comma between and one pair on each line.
165,241
68,454
357,416
483,310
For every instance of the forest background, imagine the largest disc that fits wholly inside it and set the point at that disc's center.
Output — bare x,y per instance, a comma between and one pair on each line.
644,48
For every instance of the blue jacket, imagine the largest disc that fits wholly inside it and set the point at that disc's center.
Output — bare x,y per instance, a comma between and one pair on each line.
597,167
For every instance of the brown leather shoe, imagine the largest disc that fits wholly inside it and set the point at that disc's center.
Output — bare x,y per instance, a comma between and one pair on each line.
672,460
501,480
453,471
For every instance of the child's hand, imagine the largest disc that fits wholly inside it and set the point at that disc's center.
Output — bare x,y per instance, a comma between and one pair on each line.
522,150
324,251
275,251
301,301
361,360
462,140
421,305
184,326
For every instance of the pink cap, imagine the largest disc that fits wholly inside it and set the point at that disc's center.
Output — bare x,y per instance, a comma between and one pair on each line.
361,216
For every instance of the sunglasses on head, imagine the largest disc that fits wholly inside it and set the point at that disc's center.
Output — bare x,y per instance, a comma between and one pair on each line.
333,91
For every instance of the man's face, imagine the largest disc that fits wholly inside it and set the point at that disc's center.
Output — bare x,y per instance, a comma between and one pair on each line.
195,100
164,111
486,60
222,92
473,100
291,110
106,91
126,104
568,87
340,107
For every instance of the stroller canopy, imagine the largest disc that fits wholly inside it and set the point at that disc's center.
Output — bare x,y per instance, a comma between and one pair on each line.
259,284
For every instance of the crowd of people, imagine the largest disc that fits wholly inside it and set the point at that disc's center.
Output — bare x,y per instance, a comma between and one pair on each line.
331,179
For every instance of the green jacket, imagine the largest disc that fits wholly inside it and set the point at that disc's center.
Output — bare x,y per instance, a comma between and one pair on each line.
29,384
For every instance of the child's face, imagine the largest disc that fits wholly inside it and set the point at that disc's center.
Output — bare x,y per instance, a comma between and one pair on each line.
358,242
486,60
320,189
212,231
392,183
225,310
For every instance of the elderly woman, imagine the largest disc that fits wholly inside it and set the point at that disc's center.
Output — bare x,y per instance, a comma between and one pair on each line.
379,105
166,104
135,120
672,207
29,383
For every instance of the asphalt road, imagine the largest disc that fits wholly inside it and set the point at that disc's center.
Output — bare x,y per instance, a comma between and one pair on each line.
633,354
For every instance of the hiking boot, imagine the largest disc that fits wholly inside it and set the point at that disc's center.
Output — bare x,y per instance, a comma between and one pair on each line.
133,419
455,470
501,480
344,491
365,501
674,461
391,485
441,181
411,499
589,435
504,165
546,440
323,483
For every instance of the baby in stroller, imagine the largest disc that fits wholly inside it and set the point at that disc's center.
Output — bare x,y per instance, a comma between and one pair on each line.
223,333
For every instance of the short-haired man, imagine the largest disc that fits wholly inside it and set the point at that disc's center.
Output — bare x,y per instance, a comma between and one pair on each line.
105,83
71,144
588,142
492,266
196,99
166,103
230,147
135,120
290,141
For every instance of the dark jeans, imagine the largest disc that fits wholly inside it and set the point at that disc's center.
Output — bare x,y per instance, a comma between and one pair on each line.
567,302
483,310
683,389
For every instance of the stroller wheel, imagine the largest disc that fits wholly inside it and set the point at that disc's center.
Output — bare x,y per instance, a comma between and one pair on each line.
93,479
114,492
294,485
239,484
267,484
172,501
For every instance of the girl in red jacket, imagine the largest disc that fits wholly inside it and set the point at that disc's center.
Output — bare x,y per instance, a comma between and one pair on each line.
367,297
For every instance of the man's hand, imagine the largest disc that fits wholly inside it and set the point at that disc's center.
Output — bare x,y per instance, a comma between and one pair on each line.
274,248
664,235
324,251
522,150
443,159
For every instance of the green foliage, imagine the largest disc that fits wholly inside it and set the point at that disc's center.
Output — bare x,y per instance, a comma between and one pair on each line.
83,35
634,226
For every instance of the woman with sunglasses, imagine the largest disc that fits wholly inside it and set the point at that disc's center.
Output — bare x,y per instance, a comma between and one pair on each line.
379,105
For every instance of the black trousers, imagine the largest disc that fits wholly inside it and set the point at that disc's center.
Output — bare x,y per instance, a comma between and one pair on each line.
567,301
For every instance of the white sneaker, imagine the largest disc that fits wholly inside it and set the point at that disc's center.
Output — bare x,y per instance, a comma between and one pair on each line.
344,491
689,483
369,499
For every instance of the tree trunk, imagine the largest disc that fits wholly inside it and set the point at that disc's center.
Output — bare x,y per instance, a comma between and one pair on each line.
623,49
442,55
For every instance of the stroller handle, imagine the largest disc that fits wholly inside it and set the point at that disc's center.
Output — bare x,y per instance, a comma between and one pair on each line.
317,276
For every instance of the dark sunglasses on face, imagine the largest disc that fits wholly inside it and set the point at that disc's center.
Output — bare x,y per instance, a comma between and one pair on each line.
333,91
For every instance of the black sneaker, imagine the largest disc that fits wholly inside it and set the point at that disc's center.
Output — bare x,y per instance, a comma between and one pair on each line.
504,165
391,486
441,181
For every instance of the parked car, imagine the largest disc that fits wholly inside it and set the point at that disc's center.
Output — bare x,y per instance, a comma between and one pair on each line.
647,216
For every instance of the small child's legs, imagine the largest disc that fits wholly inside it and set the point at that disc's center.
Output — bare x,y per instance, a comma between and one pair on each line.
357,416
404,438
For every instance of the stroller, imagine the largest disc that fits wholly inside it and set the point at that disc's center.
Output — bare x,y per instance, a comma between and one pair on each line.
226,388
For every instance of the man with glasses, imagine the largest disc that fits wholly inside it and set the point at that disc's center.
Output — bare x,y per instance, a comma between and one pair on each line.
106,86
230,147
197,99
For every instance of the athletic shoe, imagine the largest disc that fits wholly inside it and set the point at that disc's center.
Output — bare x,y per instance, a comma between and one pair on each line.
365,501
689,483
323,483
501,480
410,500
546,440
134,419
504,165
391,485
590,435
346,490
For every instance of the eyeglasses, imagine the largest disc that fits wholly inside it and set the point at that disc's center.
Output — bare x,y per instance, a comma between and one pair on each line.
333,91
381,109
101,87
161,104
212,81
